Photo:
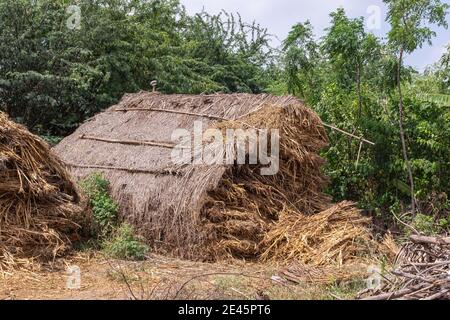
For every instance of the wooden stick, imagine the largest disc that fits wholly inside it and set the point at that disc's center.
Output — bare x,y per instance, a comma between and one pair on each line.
225,119
395,294
359,153
204,115
131,142
437,295
156,172
348,134
430,240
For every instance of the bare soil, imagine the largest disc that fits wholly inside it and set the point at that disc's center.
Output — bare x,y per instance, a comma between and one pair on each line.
164,278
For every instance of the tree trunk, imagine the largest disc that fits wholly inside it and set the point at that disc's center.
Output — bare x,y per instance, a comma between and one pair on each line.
358,82
402,132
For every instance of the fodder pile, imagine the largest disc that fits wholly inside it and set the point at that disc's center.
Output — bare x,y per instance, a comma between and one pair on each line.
209,212
334,236
286,216
39,204
246,204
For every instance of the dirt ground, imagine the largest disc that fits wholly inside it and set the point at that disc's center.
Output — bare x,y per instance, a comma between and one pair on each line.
163,278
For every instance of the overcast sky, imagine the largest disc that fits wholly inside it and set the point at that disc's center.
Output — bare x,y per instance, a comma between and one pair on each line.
280,15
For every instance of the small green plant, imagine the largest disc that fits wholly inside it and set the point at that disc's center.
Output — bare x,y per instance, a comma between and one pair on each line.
104,208
346,290
117,240
125,245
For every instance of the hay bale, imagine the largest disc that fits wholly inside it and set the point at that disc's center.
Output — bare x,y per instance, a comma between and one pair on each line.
39,205
203,212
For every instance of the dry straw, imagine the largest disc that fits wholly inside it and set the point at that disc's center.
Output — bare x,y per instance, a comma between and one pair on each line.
39,205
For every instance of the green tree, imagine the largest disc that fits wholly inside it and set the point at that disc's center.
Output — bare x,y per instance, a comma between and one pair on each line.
410,28
350,48
301,59
54,77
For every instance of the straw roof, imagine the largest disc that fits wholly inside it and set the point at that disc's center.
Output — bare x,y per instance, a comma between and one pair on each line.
199,211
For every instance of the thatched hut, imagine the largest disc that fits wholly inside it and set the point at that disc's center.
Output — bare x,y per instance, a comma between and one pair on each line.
40,207
194,210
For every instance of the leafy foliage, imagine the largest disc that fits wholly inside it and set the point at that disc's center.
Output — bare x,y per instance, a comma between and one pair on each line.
117,239
103,207
124,245
411,19
354,87
54,77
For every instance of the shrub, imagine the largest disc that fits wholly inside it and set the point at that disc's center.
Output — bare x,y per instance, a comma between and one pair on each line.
125,245
430,226
104,208
118,240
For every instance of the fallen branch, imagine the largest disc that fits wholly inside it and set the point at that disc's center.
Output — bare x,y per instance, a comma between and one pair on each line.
430,240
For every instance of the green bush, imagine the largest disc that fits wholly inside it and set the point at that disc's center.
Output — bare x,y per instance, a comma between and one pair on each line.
117,240
125,245
429,226
54,77
104,208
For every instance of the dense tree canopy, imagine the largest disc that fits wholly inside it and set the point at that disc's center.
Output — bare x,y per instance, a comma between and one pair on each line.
54,76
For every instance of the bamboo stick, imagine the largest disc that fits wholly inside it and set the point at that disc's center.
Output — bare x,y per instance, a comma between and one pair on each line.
169,145
348,134
225,119
131,170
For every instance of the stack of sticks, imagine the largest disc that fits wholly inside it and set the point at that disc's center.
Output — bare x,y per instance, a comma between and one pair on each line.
422,271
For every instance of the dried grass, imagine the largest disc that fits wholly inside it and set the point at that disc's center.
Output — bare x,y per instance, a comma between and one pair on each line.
335,236
40,209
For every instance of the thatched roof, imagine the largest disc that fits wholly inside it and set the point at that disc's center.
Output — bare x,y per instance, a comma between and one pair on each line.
171,206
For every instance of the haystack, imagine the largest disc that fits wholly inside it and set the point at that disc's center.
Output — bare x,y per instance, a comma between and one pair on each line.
199,211
39,204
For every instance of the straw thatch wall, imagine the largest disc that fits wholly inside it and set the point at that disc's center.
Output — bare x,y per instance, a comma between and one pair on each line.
201,211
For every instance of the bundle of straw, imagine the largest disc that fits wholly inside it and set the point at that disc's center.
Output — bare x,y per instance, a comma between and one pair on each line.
285,216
